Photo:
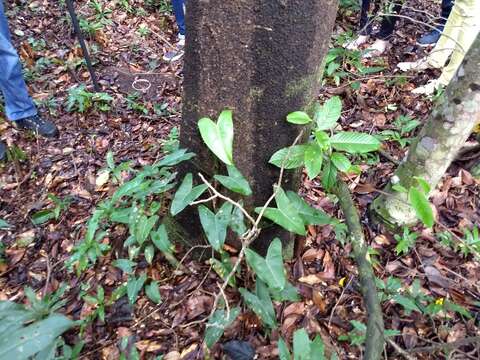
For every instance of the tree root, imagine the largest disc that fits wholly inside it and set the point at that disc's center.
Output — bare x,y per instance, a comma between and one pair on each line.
375,328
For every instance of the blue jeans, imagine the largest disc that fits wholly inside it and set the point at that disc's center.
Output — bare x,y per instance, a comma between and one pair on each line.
18,104
179,10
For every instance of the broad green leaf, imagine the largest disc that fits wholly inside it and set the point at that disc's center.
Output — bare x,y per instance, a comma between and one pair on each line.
407,303
237,223
313,160
260,304
310,215
269,269
327,116
149,253
217,325
4,224
223,267
329,178
161,241
301,345
121,215
317,349
42,216
340,161
27,341
323,140
127,189
219,137
134,285
235,181
422,207
153,292
175,158
289,157
399,188
288,293
144,227
354,142
186,194
283,352
298,117
423,184
125,265
281,219
215,225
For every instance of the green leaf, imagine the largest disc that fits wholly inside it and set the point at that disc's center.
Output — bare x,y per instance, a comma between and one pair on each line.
125,265
237,223
27,341
215,225
301,345
298,117
153,292
149,253
144,227
234,181
309,215
354,142
340,161
407,303
269,269
288,293
323,140
283,352
422,207
290,157
313,159
423,184
317,348
327,115
399,188
42,216
263,307
186,194
223,267
329,178
4,224
219,137
134,285
285,215
175,158
161,241
217,325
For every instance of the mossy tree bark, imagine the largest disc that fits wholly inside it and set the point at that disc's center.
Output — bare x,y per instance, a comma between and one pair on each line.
262,59
439,141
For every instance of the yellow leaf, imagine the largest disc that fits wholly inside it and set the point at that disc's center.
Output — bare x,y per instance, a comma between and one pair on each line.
439,301
341,283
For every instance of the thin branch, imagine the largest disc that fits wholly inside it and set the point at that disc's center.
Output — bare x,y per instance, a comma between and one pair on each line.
447,346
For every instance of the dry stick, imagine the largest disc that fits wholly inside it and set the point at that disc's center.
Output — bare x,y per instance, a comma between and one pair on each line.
375,327
446,346
338,302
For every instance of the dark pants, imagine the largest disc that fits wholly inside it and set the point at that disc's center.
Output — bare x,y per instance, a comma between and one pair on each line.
179,10
388,22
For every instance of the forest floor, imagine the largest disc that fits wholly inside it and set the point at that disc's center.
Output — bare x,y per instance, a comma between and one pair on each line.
127,43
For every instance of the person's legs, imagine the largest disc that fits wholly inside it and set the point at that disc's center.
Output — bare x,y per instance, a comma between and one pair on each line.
18,104
364,27
179,11
388,22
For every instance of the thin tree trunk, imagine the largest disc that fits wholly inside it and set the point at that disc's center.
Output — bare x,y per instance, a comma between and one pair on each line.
444,134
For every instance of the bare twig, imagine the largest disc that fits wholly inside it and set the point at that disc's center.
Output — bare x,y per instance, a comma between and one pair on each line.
447,346
338,302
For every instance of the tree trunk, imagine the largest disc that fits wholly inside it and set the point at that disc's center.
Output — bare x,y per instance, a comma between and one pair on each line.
262,59
439,141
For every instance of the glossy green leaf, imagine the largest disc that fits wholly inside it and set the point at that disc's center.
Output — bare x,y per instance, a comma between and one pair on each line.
217,325
329,178
134,286
175,158
260,305
309,215
27,341
283,352
298,117
323,140
219,137
269,269
125,265
42,216
149,253
290,157
215,225
421,205
327,115
234,181
354,142
423,184
301,345
161,241
288,293
237,223
153,292
408,304
186,194
341,162
144,227
313,159
317,349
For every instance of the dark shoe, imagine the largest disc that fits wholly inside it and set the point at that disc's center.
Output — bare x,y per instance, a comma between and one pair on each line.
38,125
3,151
430,38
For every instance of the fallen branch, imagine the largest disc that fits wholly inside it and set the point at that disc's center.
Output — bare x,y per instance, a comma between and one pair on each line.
375,328
446,346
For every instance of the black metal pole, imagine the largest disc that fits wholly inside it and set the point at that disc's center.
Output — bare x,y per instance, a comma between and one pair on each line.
81,40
